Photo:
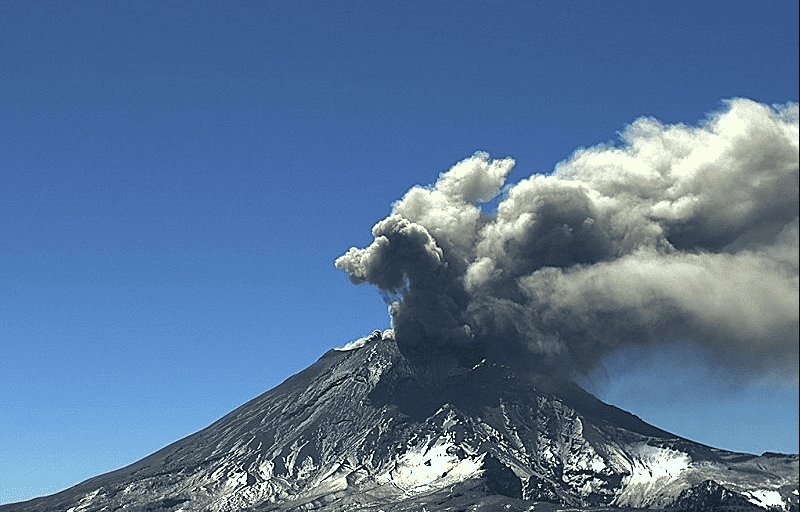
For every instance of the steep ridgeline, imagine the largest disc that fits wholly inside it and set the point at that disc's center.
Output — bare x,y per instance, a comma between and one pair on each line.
362,430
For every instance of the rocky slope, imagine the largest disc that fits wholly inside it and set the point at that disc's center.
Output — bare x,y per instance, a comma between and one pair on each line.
361,429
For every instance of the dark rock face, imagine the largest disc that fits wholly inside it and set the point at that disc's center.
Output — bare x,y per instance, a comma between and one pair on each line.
500,479
709,495
365,430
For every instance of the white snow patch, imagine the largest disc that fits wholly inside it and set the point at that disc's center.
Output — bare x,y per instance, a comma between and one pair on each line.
86,502
651,463
424,467
596,464
450,420
651,468
265,469
237,479
765,498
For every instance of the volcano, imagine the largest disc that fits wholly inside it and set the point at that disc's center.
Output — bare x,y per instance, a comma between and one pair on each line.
364,429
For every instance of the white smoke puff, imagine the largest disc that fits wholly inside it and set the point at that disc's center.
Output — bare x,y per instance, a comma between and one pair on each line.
729,180
454,224
475,180
362,342
680,231
449,209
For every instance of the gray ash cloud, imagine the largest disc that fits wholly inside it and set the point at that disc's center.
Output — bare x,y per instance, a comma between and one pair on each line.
678,232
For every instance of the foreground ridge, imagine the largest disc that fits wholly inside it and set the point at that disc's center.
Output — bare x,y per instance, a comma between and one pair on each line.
362,429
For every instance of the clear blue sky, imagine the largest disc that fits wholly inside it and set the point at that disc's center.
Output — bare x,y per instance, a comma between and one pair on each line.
176,179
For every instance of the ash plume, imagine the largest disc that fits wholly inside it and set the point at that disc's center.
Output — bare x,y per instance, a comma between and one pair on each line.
678,232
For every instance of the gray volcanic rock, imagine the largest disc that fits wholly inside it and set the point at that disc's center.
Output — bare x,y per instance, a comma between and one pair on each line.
709,495
362,429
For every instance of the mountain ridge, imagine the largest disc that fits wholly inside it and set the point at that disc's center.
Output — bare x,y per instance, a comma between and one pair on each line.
363,429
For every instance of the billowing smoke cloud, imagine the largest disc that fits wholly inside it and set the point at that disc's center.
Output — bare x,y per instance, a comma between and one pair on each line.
678,233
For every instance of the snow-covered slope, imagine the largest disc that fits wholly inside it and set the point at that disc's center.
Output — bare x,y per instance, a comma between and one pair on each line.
361,429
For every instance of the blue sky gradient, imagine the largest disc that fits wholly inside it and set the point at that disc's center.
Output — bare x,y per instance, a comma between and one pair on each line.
177,178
